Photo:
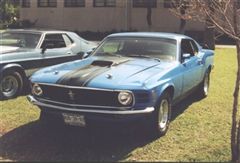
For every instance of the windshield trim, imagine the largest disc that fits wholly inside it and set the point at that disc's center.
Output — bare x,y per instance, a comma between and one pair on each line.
175,41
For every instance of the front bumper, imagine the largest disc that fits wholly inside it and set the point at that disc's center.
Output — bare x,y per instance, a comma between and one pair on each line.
147,110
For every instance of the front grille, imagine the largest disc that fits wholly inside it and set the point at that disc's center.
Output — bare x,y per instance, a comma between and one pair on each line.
81,96
142,97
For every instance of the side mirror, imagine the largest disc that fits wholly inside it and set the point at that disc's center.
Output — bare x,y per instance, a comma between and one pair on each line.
47,46
90,51
82,55
185,56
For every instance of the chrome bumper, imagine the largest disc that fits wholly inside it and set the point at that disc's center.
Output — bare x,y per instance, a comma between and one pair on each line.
117,112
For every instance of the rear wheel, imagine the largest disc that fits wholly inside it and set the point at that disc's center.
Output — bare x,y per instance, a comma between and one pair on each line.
11,84
160,119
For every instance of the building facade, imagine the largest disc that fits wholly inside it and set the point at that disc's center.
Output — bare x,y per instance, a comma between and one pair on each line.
103,15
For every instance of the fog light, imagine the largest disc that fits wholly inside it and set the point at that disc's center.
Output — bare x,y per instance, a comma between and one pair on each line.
37,90
125,98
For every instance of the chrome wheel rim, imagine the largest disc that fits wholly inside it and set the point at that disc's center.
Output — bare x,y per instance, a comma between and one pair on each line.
9,86
206,84
163,113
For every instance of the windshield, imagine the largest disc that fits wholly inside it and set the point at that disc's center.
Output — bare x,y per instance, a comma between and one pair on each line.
157,48
24,40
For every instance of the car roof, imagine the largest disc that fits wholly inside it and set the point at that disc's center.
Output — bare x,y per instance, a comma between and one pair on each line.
151,34
40,31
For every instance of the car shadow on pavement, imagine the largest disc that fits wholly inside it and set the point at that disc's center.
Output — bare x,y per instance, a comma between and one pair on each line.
180,107
36,142
113,142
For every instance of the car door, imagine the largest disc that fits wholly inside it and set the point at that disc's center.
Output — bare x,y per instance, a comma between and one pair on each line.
57,49
191,65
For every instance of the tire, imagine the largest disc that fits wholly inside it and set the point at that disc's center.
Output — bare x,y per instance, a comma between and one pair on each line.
11,84
160,119
204,86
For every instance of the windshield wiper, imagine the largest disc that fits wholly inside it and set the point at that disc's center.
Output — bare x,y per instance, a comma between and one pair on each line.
144,56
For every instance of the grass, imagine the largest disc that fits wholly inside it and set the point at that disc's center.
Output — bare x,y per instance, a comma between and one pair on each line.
199,131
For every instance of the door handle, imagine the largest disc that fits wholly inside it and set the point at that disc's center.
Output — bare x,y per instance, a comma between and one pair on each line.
69,53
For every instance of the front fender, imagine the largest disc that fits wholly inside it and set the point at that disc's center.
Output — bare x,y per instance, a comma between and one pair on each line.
163,88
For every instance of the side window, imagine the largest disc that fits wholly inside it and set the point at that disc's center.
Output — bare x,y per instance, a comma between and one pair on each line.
54,41
195,47
68,41
111,47
186,47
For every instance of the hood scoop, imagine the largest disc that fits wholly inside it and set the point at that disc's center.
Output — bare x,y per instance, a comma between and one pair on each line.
109,62
102,63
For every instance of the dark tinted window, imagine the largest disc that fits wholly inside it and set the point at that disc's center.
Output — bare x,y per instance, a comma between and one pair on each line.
68,41
195,47
145,3
54,41
47,3
74,3
104,3
186,47
25,3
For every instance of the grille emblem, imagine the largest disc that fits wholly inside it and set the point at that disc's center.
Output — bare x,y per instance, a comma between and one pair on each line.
71,95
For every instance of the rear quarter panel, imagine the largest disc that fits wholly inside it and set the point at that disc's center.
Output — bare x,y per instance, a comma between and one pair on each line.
208,60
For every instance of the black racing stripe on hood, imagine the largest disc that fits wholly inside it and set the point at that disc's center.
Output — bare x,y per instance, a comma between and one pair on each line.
84,75
81,76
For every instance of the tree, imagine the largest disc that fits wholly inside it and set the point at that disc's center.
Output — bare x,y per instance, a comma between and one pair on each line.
149,15
224,15
150,5
8,11
182,10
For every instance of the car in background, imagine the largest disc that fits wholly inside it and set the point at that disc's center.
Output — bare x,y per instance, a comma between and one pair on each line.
130,76
24,51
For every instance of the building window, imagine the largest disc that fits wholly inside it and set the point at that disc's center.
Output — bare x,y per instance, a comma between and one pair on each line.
168,4
238,4
145,3
47,3
25,3
74,3
104,3
15,2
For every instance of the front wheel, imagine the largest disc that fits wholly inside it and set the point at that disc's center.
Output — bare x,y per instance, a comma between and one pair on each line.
11,84
160,119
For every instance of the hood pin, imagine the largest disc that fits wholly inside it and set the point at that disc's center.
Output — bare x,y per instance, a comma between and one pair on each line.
109,76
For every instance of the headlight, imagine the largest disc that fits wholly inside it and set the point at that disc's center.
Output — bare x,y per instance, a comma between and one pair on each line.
125,98
37,90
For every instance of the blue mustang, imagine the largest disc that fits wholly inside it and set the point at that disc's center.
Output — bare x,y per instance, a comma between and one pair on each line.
128,76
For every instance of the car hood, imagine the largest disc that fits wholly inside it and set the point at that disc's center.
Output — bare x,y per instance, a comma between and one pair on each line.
102,72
